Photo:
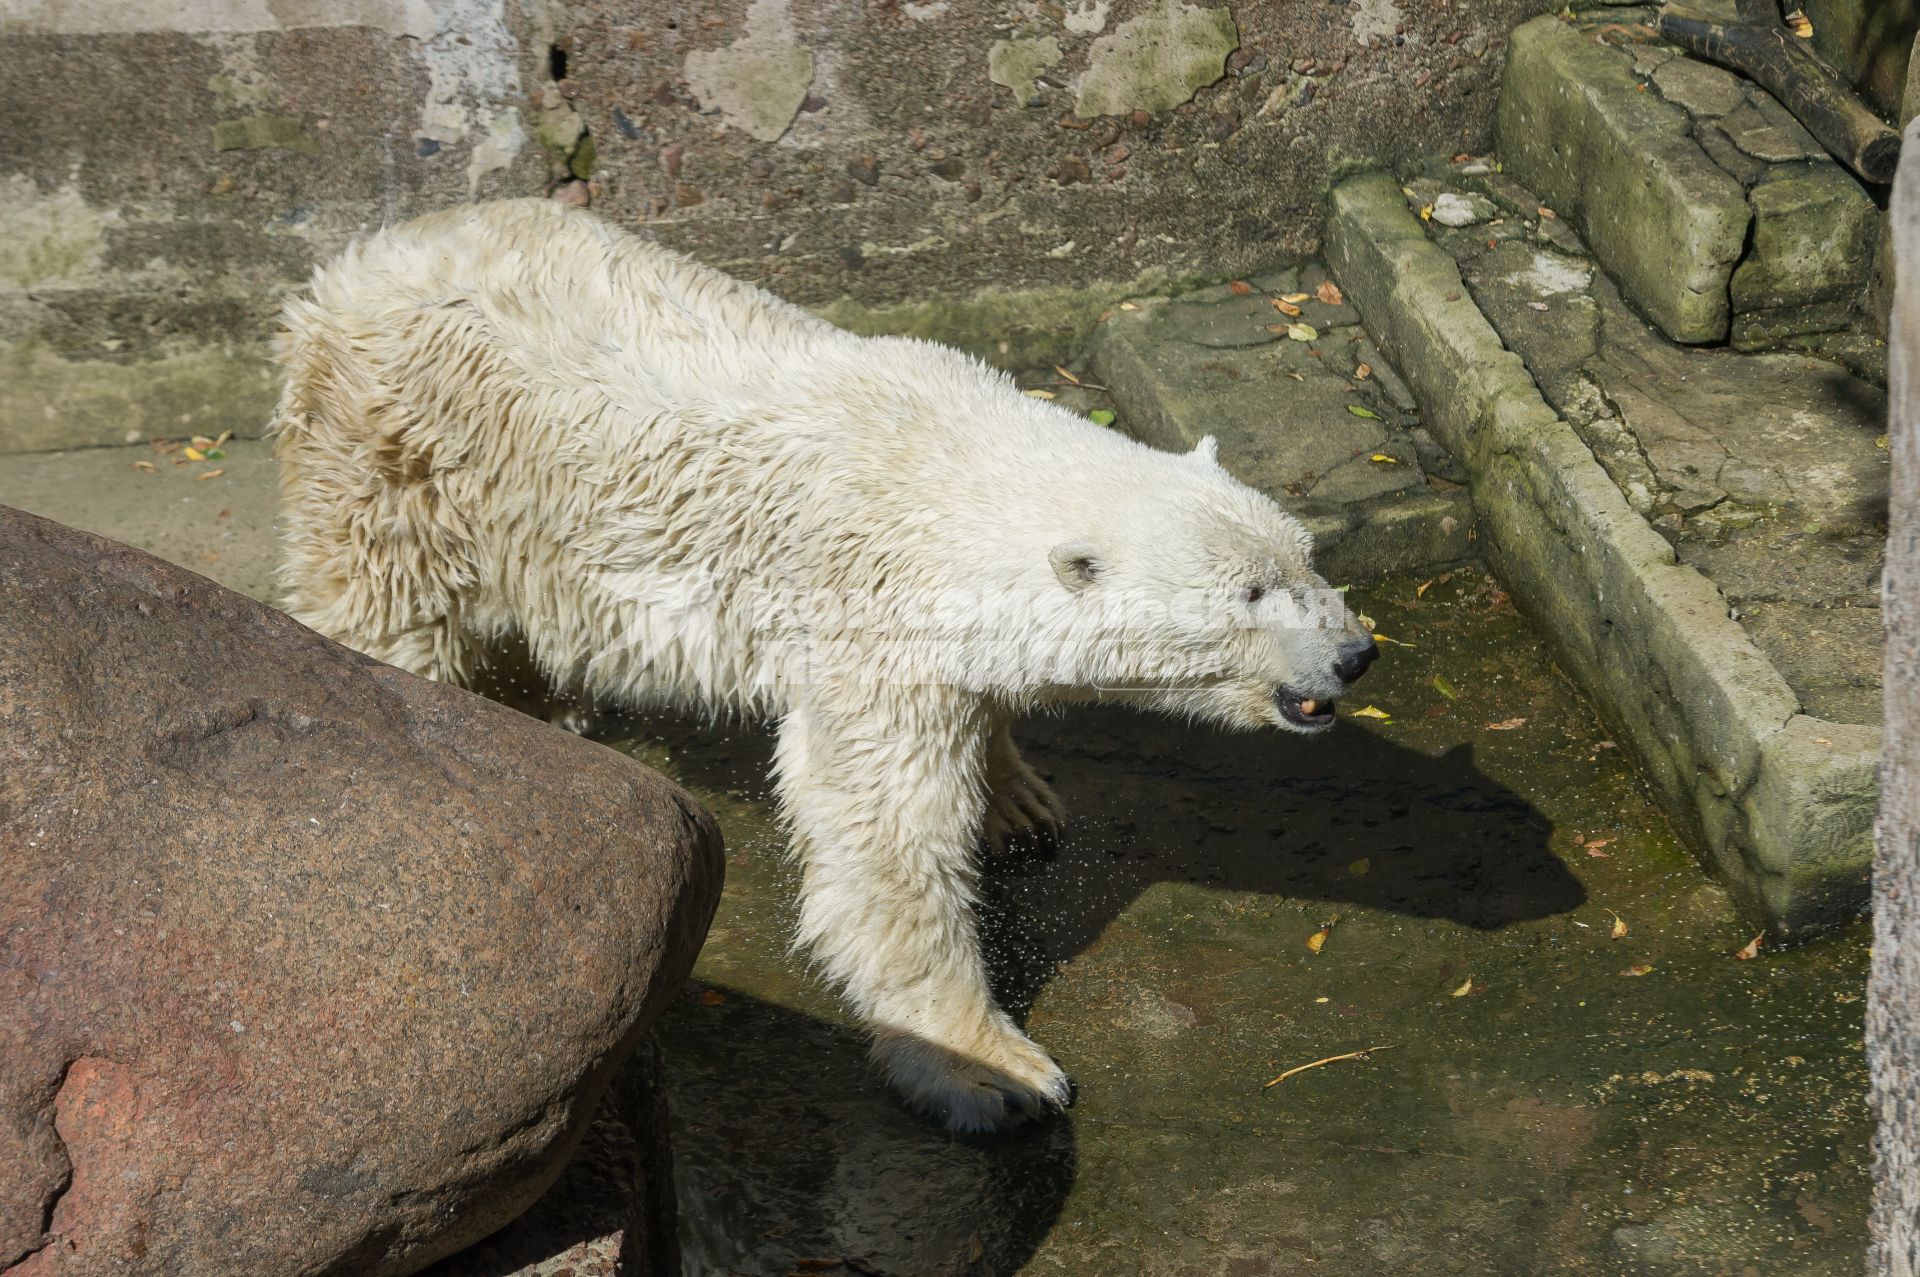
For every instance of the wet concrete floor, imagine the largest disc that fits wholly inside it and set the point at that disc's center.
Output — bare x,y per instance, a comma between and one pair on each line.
1551,1097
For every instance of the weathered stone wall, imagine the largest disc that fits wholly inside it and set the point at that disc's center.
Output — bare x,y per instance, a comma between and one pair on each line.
988,173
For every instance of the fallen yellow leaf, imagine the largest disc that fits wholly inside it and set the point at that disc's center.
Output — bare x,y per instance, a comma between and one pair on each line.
1619,931
211,474
1801,25
1464,989
194,454
1426,212
1302,332
1363,372
1329,292
1037,393
1384,459
148,466
1064,373
1548,213
1420,590
1371,711
1751,949
1506,725
1639,968
1285,307
1128,306
1318,940
1293,297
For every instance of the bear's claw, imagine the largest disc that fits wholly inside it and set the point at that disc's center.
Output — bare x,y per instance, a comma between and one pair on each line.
1022,809
972,1096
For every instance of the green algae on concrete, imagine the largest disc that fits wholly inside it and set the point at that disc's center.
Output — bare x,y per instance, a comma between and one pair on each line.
1009,328
1157,60
1577,126
1016,65
1650,639
50,236
258,132
51,401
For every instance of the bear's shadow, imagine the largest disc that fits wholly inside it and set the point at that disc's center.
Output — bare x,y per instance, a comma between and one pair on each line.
1272,813
764,1176
1282,815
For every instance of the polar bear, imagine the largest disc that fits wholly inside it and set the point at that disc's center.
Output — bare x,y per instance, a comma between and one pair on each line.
678,490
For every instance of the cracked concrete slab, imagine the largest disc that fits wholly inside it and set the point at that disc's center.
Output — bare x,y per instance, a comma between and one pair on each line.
1298,419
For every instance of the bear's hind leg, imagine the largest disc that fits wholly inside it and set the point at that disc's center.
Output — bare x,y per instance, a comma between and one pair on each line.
1020,806
885,802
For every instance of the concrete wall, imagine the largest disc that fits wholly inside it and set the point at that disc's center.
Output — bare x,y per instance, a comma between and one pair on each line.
985,172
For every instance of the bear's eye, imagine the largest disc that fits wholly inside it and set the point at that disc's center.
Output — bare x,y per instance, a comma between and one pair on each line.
1255,593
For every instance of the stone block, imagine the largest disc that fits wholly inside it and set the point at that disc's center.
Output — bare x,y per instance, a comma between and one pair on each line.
1665,220
1813,235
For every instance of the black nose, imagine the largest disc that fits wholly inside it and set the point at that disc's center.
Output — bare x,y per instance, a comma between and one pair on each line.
1354,659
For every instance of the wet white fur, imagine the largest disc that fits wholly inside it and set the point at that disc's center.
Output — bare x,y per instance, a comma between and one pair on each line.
515,418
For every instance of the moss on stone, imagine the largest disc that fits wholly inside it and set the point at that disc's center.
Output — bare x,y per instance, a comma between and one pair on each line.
1016,65
51,236
1008,328
48,401
261,132
1158,60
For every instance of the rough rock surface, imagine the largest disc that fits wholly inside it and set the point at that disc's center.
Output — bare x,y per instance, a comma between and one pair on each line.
309,966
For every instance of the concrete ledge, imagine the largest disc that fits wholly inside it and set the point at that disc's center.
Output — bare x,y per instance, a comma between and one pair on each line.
48,401
1781,805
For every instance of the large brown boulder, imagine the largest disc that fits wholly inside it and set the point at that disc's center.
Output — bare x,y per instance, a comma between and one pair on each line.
306,965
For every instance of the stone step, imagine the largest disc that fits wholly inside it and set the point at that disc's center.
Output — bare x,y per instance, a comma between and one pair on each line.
1777,799
1719,216
1300,420
1764,471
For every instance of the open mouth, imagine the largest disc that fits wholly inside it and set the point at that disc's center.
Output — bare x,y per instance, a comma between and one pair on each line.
1304,711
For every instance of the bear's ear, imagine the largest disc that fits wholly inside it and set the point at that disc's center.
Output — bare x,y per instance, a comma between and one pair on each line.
1207,451
1076,563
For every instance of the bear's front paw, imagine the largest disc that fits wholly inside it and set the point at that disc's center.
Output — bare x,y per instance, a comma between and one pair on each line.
1022,809
1009,1082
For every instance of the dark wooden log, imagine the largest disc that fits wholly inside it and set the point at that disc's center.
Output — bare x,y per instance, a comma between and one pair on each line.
1764,51
1893,996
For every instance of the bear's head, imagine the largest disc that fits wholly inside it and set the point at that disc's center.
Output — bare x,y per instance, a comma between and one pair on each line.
1196,595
